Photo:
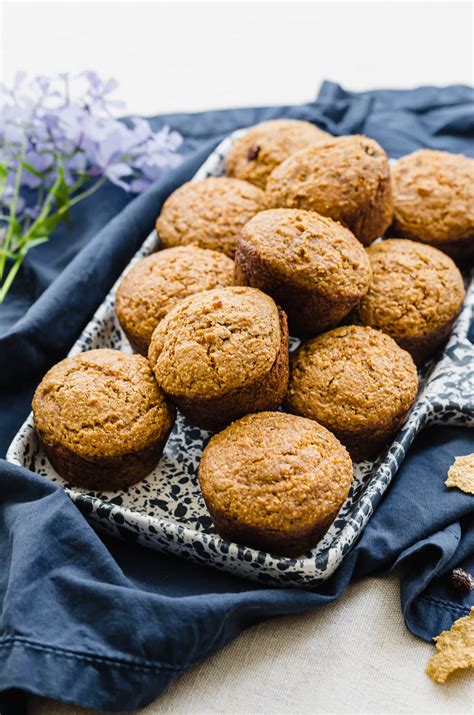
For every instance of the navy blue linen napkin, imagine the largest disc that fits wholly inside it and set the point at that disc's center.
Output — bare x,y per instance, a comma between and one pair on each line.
110,625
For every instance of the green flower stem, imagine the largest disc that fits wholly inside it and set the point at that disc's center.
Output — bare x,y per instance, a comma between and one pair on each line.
77,184
44,213
60,212
88,192
11,275
32,237
13,207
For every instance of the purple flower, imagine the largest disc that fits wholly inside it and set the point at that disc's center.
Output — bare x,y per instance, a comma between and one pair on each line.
141,129
41,163
59,138
99,89
116,172
67,119
7,199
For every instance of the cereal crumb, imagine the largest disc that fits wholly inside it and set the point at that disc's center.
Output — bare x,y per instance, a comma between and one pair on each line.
461,474
455,649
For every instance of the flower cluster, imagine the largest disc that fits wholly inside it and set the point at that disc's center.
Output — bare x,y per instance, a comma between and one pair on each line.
59,142
71,119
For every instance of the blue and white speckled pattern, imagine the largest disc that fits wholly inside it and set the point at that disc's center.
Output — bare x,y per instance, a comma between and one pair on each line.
166,511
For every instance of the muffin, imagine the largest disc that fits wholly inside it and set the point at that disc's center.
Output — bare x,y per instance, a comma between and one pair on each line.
347,179
433,196
313,267
209,213
264,146
102,419
415,295
221,354
275,482
357,382
156,283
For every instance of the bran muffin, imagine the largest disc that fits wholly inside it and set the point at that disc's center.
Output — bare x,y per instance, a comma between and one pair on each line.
102,419
347,179
357,382
313,267
415,295
433,194
275,481
209,213
158,282
264,146
221,354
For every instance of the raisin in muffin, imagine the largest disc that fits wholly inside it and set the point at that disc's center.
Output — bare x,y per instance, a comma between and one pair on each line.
347,179
158,282
357,382
209,213
313,267
415,295
102,419
264,146
221,354
433,195
275,481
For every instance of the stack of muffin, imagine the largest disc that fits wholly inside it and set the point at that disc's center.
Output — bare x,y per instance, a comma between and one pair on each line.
283,245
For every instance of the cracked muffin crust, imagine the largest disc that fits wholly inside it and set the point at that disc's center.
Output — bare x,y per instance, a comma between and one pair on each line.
102,419
415,295
313,267
433,194
263,147
158,282
357,382
347,179
209,213
274,481
221,354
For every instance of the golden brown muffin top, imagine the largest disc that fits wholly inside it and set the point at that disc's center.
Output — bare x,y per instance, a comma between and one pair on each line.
415,289
264,146
309,250
214,342
352,378
433,195
209,213
275,471
101,403
338,179
158,282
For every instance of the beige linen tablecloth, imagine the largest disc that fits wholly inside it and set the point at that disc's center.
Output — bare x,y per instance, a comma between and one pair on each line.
354,656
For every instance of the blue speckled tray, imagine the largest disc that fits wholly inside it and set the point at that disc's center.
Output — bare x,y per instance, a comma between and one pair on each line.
166,511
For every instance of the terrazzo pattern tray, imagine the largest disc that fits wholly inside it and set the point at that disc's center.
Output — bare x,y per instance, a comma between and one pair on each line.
166,511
